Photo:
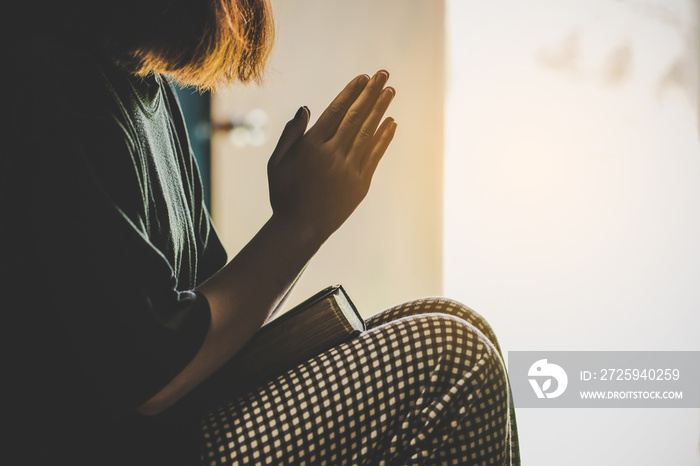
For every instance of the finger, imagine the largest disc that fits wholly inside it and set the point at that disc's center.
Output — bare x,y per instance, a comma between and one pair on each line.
364,137
292,132
358,111
380,143
330,119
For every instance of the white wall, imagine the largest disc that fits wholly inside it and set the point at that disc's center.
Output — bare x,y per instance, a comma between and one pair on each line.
572,199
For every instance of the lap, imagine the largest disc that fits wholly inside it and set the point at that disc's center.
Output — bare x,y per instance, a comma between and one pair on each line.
418,370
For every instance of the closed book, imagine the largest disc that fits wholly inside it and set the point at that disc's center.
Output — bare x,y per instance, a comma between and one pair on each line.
323,321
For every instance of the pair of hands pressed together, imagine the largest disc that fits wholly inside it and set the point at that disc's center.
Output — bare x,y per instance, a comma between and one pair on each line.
318,178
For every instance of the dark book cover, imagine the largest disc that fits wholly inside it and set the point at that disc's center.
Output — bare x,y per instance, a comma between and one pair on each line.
323,321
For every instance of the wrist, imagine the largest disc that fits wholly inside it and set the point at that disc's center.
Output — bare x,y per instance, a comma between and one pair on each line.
298,233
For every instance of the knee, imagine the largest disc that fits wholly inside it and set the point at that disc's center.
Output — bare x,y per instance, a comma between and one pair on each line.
432,306
457,309
472,356
459,344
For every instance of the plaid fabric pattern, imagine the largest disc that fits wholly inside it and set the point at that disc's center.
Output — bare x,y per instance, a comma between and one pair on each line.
426,384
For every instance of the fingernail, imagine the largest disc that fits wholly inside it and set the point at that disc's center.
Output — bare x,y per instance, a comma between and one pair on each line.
299,112
362,79
390,90
384,72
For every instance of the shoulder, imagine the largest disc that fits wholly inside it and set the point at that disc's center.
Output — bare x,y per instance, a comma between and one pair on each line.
64,91
56,83
63,124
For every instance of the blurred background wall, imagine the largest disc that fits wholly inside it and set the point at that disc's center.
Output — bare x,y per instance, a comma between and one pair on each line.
572,199
390,250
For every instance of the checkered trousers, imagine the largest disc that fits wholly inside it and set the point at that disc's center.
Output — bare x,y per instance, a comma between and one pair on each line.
425,384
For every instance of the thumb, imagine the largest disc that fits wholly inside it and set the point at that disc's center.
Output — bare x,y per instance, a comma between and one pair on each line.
292,132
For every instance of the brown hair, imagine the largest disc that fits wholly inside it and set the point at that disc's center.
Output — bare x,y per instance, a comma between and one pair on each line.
232,41
199,43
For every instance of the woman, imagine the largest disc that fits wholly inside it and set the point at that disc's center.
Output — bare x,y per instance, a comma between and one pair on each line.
118,297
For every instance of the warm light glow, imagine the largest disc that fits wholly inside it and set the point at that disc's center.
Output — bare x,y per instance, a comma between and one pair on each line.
572,195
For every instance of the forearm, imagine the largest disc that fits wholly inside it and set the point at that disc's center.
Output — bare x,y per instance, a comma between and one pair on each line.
261,274
241,297
276,311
